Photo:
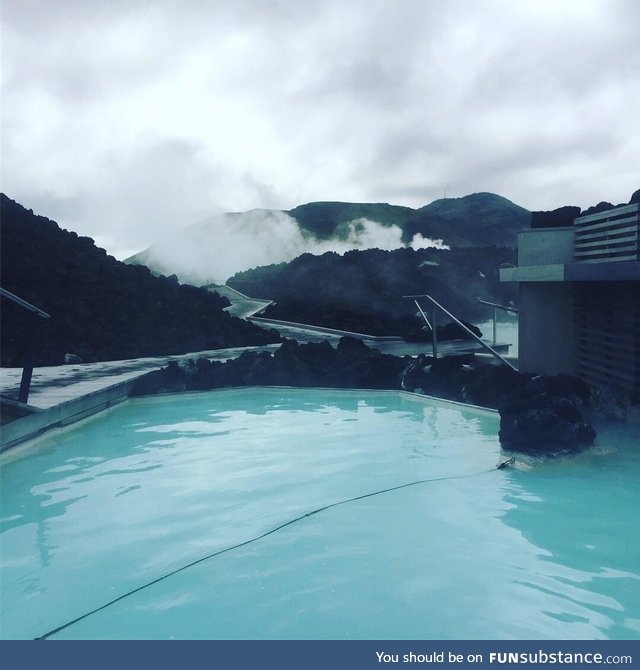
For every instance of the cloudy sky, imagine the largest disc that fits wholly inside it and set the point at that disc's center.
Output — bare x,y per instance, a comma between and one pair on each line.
123,120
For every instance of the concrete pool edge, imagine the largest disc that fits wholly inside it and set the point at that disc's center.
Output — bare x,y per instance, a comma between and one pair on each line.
22,431
28,430
410,395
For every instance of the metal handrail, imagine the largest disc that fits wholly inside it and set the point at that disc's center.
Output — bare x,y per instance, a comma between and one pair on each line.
496,306
462,325
32,345
434,333
23,303
424,316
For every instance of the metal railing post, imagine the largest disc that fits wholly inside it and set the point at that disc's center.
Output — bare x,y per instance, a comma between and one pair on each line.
432,326
424,316
29,361
465,328
494,326
434,332
31,353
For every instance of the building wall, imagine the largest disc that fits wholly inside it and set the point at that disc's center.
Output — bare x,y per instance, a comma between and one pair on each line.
580,300
546,332
609,236
607,317
587,329
545,246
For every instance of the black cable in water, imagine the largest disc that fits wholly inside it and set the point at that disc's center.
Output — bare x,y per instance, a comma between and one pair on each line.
255,539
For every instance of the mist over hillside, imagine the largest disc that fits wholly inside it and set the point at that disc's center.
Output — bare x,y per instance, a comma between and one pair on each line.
101,309
218,247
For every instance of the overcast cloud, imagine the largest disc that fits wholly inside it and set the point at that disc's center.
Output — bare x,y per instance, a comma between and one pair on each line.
127,120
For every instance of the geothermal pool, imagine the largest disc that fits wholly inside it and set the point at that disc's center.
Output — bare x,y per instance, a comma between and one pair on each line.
121,503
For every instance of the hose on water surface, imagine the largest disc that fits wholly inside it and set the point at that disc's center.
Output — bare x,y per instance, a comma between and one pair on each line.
53,631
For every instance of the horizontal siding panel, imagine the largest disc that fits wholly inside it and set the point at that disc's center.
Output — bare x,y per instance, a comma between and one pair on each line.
609,232
608,236
613,259
603,223
617,249
607,242
607,335
616,348
626,381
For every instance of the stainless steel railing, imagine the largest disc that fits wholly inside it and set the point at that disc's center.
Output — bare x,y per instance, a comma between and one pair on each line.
495,307
432,325
32,344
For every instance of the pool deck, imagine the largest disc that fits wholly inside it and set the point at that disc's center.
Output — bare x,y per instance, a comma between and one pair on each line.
54,385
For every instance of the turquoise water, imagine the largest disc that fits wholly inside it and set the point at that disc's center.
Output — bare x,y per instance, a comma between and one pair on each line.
545,550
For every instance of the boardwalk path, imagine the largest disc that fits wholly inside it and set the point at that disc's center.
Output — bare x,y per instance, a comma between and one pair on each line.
57,384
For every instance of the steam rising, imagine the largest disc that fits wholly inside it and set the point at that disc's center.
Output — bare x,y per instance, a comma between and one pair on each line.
217,248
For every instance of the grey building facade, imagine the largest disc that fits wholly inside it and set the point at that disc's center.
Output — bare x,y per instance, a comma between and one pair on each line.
579,295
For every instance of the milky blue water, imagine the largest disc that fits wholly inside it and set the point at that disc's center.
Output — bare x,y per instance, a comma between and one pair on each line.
543,550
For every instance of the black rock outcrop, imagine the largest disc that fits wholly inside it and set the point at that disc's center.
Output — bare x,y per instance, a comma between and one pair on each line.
563,216
596,209
545,414
351,365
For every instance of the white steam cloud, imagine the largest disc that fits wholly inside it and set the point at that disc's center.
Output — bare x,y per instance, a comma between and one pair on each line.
217,248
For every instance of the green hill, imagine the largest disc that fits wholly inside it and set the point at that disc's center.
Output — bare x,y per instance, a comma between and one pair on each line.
479,219
326,220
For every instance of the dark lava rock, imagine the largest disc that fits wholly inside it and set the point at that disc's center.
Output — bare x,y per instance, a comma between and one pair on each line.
609,403
561,217
442,377
372,371
352,347
544,431
351,365
149,384
545,415
600,207
453,331
491,385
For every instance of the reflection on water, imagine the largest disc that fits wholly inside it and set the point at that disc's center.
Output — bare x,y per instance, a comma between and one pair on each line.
587,506
543,552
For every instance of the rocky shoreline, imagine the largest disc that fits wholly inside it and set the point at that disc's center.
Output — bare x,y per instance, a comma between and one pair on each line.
538,413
